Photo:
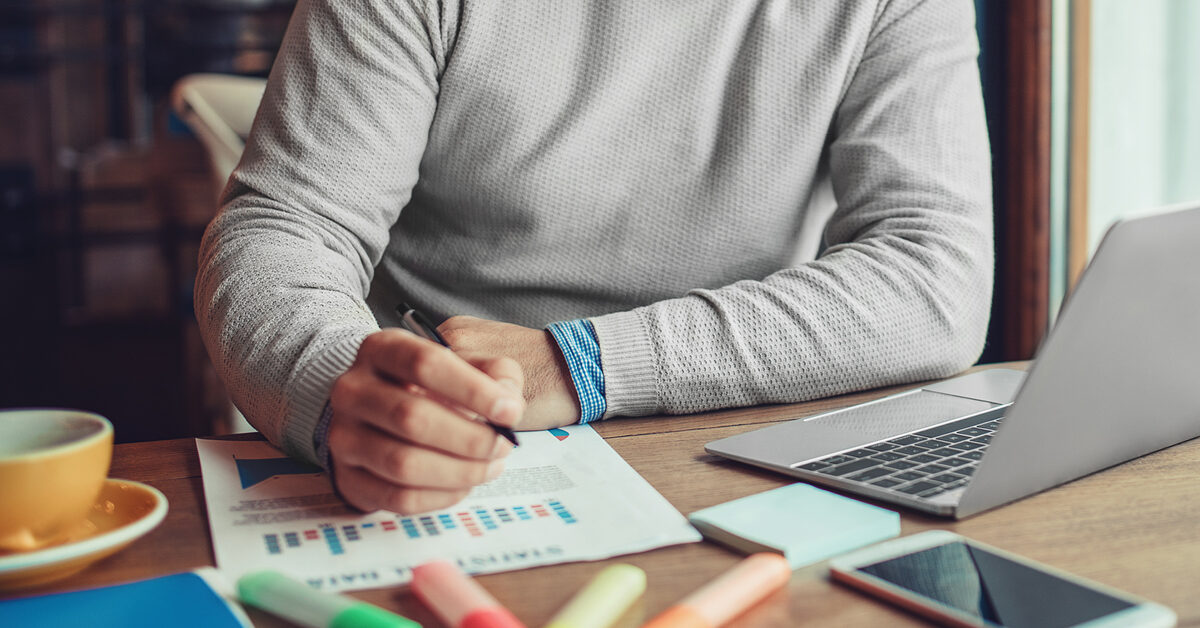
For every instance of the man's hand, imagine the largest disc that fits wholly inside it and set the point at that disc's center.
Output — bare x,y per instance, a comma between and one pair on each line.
550,396
402,436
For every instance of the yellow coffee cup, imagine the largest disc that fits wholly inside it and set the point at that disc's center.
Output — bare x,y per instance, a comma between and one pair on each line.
52,465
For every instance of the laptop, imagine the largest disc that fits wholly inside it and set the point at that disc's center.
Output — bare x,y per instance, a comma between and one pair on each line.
1117,378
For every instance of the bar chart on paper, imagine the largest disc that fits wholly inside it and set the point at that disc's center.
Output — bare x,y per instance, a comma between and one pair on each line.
333,539
564,495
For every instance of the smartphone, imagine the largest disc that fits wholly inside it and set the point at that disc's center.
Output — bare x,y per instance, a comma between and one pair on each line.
959,582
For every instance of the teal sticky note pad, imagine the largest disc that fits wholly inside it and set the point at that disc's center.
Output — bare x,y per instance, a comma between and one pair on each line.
802,522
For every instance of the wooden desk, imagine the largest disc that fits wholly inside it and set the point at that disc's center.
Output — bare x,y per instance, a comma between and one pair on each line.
1133,527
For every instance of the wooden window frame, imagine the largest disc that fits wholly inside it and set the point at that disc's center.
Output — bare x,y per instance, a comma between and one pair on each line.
1017,87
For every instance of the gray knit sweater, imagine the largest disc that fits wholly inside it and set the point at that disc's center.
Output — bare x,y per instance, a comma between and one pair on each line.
754,201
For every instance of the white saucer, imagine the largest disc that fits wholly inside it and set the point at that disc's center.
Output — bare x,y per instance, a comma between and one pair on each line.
124,510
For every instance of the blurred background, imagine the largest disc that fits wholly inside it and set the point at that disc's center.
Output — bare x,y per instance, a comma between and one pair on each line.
112,151
104,194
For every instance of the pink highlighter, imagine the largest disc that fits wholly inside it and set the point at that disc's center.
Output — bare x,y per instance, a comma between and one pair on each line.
458,600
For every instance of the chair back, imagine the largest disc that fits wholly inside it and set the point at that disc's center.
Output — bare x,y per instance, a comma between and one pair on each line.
219,109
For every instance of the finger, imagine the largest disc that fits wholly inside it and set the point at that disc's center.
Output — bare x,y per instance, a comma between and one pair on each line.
409,465
404,357
407,413
365,491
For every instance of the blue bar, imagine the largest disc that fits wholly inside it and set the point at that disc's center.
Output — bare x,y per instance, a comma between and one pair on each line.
331,538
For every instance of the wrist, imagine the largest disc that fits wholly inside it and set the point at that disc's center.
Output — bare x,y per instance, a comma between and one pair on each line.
558,375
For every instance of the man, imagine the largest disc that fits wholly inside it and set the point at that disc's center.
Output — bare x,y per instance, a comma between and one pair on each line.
642,191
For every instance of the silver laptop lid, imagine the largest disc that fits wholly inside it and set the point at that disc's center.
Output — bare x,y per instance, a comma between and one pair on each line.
1119,376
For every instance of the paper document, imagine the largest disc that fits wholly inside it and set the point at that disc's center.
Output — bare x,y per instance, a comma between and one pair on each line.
565,495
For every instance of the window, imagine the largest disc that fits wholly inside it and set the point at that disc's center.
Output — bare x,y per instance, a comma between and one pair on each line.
1126,119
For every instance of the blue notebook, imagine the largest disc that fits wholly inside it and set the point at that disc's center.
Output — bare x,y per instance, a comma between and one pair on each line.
182,600
802,522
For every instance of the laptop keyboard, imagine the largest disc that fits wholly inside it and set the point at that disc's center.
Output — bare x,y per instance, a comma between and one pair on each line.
923,464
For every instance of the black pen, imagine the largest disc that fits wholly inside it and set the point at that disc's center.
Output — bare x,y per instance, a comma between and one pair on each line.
414,321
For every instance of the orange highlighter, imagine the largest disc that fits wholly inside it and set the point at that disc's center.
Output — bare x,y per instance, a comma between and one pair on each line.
458,600
734,591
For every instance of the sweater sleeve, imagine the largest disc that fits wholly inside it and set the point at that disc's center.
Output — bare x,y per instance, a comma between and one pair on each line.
332,158
902,290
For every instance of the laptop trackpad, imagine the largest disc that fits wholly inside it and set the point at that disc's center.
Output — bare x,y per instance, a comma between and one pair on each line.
849,428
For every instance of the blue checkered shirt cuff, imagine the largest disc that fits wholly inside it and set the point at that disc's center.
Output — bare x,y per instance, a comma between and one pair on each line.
577,341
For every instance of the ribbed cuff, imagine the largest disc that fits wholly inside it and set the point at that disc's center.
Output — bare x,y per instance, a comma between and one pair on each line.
630,369
577,341
310,394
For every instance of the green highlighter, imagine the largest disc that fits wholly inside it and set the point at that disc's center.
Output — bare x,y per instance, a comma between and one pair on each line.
279,595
